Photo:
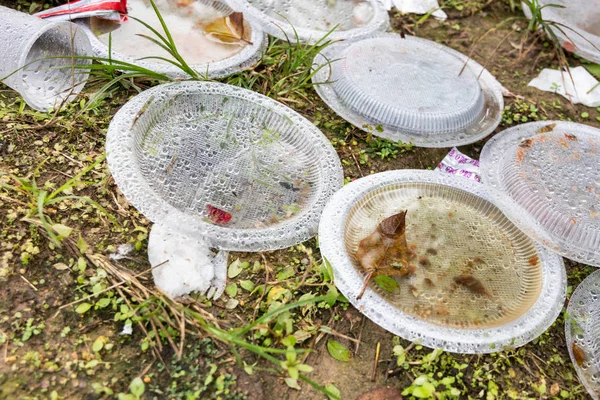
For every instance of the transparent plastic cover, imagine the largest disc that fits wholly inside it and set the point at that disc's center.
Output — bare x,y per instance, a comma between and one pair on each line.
582,333
545,177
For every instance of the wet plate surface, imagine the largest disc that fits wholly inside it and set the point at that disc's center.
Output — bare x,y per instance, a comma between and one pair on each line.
579,19
582,332
545,177
190,23
411,89
476,282
223,162
312,19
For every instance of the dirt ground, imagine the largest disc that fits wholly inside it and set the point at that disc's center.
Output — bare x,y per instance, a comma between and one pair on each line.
50,355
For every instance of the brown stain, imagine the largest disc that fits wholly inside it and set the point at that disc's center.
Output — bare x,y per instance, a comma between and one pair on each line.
471,283
533,261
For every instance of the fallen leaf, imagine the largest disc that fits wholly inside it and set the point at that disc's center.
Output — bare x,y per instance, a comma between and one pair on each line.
385,251
547,128
386,283
338,351
227,30
60,266
578,354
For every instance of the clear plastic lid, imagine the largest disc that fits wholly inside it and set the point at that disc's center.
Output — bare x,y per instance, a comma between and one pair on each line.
475,282
417,90
310,20
199,30
582,333
578,24
236,167
545,178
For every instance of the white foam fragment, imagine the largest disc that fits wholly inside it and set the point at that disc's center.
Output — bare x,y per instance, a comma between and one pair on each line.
416,7
583,88
189,266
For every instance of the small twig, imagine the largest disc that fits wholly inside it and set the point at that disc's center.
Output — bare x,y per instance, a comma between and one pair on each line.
29,283
265,287
362,327
336,333
14,201
182,334
357,164
377,350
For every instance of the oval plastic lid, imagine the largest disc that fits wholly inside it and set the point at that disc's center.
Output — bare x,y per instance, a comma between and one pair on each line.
456,238
310,20
411,89
226,163
182,21
580,24
582,333
545,178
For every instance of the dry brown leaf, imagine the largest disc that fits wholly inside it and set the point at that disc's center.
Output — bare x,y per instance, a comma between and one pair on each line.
227,30
385,251
578,354
471,283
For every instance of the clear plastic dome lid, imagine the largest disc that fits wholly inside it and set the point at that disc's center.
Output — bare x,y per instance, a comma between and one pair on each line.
310,20
582,333
418,91
472,282
203,31
545,178
215,160
580,24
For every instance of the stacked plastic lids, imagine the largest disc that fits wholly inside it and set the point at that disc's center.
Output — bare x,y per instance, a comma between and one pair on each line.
577,24
545,178
240,169
474,282
582,332
200,29
410,89
310,20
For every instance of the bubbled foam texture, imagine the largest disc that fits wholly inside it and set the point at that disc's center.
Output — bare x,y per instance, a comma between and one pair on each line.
410,89
580,19
312,19
453,233
583,328
203,145
530,292
184,37
408,85
554,176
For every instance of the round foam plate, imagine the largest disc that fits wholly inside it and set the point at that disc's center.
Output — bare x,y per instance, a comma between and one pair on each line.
409,89
478,283
311,20
240,169
545,178
206,57
582,332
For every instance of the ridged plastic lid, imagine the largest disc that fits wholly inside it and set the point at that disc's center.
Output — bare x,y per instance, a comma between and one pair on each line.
579,24
240,169
217,60
582,332
414,88
312,19
545,178
458,239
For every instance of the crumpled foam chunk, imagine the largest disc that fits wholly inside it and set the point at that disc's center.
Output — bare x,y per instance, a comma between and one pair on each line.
551,80
189,267
416,7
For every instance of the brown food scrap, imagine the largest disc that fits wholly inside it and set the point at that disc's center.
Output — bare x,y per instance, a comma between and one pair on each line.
424,262
471,283
547,128
533,261
578,353
431,251
570,137
385,251
428,282
526,143
520,154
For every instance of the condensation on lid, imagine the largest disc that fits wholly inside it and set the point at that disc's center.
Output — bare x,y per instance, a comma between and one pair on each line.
410,89
545,177
408,85
582,333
